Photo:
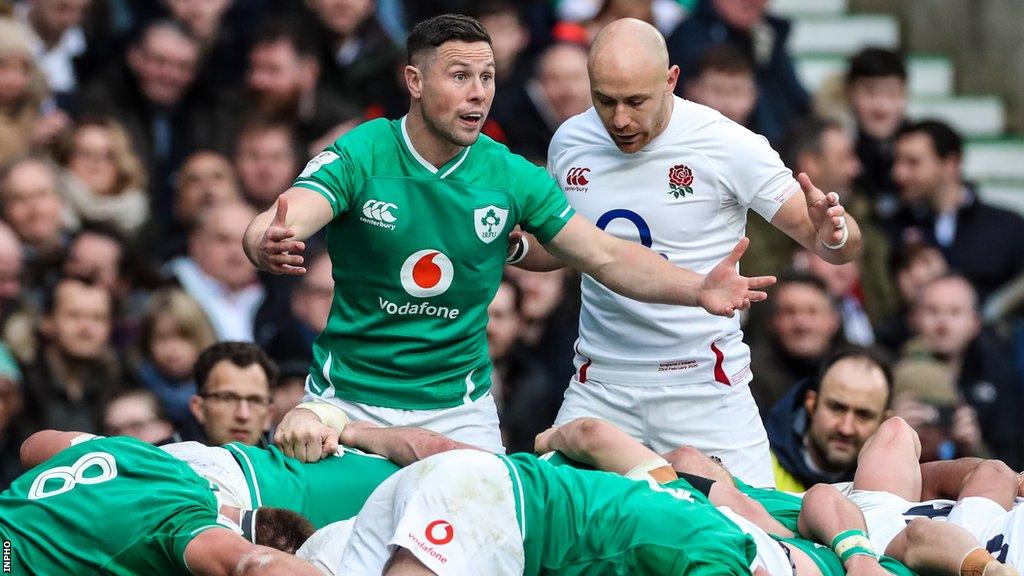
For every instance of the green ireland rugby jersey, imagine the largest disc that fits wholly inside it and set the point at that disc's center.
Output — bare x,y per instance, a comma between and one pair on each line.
330,490
417,255
113,506
580,522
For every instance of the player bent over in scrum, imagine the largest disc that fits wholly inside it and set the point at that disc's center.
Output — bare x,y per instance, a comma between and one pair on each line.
122,507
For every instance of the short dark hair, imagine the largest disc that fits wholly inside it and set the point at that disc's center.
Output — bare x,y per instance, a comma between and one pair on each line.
876,63
241,354
51,287
805,136
486,8
724,58
286,30
433,32
871,355
945,140
281,529
142,33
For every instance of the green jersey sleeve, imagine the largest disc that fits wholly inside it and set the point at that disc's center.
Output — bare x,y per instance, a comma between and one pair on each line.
545,210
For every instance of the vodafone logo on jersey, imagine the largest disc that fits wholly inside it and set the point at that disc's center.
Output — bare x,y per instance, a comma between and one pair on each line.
576,179
427,273
439,532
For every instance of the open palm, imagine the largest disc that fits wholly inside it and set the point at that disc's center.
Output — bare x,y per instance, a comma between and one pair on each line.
724,290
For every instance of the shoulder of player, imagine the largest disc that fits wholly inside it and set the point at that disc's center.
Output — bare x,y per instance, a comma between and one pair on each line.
584,129
499,158
370,133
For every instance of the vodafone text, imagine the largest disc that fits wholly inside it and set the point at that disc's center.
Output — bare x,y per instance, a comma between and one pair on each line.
420,309
428,549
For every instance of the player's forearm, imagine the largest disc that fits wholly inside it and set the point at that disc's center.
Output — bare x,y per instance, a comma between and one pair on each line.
253,233
827,516
639,273
538,259
601,445
403,446
848,252
943,479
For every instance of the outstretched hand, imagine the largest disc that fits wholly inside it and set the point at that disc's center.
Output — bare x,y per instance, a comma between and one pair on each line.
277,252
826,213
724,291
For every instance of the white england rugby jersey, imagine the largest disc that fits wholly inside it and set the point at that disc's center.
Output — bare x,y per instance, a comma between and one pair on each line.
685,196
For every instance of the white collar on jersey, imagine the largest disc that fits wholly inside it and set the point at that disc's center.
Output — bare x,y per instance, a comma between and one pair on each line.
423,161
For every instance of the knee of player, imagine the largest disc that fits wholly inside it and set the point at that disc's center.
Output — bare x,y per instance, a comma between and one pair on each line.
895,430
920,530
822,493
589,433
995,471
685,458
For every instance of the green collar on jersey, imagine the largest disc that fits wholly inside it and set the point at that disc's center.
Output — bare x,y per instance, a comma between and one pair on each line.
444,170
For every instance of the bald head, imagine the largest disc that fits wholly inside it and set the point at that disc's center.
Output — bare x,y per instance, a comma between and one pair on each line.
628,44
631,82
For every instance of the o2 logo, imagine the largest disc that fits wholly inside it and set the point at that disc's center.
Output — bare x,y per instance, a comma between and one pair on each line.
642,228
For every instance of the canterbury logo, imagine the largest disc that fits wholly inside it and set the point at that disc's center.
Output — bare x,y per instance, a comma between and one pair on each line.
577,177
378,213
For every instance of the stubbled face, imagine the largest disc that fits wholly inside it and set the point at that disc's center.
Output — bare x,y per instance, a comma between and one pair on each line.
502,322
31,204
804,321
171,351
848,408
732,94
564,81
266,164
455,88
275,75
946,317
216,246
879,105
81,320
918,169
634,104
235,406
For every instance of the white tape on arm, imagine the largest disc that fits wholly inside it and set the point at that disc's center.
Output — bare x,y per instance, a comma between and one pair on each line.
329,414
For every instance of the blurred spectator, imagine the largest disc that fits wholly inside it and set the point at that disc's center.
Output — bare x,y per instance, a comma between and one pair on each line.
358,59
803,325
235,381
876,87
282,84
206,178
223,46
74,366
24,122
527,403
914,266
103,180
174,330
844,284
558,90
12,264
509,39
290,336
950,335
57,39
151,97
218,275
13,430
743,24
98,254
136,413
266,160
818,428
290,389
31,204
594,14
943,210
723,79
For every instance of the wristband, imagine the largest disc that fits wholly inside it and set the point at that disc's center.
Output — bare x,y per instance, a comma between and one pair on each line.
646,470
852,543
521,251
842,241
329,414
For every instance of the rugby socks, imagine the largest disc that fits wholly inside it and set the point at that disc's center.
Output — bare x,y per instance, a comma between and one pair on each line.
849,543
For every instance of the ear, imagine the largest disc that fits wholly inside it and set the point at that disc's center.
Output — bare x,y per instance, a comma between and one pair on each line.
414,81
195,406
673,78
810,399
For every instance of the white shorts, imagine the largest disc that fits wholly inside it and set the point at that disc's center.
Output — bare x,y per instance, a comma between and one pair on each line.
324,548
475,423
717,420
999,531
454,511
219,467
883,515
770,554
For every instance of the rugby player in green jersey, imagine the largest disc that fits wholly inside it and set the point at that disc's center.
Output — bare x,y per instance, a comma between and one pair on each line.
122,507
419,214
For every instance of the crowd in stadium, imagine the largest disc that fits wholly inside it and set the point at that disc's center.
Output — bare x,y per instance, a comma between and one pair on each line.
144,146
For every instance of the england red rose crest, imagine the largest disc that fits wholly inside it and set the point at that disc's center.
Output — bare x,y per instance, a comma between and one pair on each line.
680,177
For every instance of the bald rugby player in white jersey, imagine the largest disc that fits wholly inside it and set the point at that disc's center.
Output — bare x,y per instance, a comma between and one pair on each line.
678,178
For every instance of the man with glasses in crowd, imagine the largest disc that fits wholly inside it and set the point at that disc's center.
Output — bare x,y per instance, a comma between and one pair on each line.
232,402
